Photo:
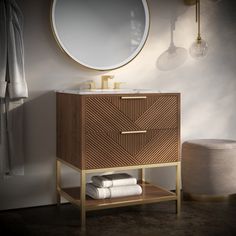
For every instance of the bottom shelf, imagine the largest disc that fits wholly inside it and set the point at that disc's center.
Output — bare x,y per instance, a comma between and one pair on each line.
150,194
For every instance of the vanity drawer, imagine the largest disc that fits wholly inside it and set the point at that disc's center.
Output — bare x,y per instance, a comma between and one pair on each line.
131,112
113,149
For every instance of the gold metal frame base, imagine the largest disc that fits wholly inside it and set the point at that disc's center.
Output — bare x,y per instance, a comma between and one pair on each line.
81,201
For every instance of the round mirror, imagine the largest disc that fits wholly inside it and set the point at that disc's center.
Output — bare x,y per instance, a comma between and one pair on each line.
101,34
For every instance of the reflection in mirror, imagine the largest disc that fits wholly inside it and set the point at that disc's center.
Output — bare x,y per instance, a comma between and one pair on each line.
104,34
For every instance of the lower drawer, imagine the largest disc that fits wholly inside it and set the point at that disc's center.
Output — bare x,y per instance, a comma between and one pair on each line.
113,149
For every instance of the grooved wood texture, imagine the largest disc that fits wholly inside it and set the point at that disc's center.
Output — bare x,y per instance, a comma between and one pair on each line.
115,114
69,128
95,123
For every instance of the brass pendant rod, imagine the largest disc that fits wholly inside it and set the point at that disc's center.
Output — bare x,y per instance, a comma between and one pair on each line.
196,14
198,18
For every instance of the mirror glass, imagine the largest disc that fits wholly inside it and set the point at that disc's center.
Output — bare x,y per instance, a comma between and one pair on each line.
101,34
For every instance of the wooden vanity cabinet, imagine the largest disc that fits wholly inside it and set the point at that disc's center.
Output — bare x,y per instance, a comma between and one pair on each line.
89,129
103,132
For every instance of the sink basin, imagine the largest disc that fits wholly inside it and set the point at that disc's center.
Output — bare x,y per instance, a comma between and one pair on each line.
108,91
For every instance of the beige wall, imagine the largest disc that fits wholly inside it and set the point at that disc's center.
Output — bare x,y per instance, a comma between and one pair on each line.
207,86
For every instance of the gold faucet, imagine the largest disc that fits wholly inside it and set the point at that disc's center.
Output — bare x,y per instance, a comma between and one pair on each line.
117,85
104,82
91,85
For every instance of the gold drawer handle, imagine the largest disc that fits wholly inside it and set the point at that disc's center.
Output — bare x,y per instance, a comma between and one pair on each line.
134,132
135,97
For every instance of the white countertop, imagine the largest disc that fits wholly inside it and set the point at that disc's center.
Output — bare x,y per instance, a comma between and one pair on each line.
110,91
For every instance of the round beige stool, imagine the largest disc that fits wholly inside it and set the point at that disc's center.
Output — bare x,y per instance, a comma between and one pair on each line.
209,169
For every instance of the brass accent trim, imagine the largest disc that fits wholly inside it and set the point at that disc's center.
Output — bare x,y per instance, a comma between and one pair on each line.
142,175
69,198
83,198
130,203
120,168
208,198
131,167
58,181
134,97
178,193
134,132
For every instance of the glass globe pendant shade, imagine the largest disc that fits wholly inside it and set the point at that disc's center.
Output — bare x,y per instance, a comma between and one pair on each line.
198,49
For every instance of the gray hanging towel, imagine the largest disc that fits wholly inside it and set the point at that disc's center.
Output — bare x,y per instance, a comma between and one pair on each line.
3,49
17,86
13,89
12,50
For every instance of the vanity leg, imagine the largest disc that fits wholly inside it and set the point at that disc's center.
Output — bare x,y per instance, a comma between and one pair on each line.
178,194
143,174
58,181
83,199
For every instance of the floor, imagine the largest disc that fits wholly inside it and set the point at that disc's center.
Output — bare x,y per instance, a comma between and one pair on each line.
197,218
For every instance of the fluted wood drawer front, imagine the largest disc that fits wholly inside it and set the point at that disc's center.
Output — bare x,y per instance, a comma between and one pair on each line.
140,112
113,149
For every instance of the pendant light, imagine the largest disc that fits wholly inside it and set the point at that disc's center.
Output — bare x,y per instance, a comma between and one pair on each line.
198,48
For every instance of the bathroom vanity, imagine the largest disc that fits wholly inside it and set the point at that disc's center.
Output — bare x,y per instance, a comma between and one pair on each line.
104,131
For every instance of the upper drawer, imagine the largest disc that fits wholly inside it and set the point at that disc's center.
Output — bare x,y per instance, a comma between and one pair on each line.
131,112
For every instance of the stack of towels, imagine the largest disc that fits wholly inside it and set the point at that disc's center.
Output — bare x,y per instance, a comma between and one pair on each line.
112,186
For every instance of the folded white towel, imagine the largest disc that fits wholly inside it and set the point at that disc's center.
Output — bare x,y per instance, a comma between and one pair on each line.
97,193
113,192
101,181
113,180
124,191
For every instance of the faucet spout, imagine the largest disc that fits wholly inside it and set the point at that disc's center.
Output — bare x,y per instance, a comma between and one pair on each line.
104,82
